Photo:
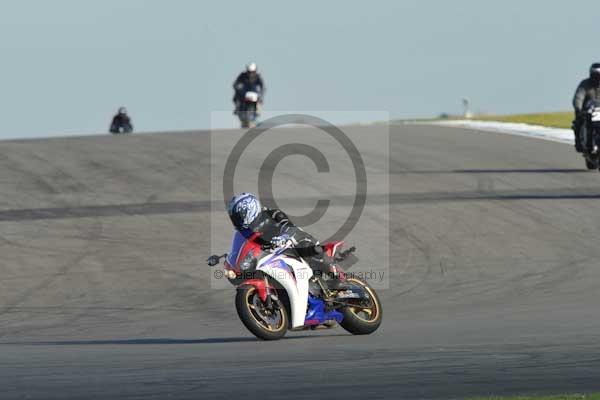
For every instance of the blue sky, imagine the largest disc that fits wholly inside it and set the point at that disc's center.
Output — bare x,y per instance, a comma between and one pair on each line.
67,65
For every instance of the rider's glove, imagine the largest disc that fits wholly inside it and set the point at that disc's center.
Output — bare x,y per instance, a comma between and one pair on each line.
279,241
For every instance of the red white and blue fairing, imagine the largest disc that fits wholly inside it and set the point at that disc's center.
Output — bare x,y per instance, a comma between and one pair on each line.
292,274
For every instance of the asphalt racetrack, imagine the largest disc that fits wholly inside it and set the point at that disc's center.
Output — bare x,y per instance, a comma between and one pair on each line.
104,294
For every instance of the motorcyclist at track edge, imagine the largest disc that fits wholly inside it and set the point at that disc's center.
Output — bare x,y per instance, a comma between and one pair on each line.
248,80
121,120
588,89
266,226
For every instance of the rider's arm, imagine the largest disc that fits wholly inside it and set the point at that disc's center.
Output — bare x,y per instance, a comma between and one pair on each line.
579,98
114,123
262,87
282,219
238,84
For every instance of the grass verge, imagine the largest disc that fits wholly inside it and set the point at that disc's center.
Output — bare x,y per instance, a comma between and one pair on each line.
560,397
554,120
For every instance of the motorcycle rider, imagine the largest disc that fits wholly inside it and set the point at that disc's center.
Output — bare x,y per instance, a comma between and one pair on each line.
266,226
588,89
121,120
244,82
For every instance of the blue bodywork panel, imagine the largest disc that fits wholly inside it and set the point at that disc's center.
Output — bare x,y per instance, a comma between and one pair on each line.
316,314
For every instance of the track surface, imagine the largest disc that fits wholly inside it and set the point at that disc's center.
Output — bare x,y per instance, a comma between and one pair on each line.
103,291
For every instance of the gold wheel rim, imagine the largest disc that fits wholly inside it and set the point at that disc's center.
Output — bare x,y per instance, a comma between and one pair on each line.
373,311
253,311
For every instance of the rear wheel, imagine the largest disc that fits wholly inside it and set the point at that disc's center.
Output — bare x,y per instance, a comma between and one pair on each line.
264,322
362,317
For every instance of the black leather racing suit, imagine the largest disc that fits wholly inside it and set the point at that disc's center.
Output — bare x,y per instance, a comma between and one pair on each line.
272,223
121,121
245,81
588,89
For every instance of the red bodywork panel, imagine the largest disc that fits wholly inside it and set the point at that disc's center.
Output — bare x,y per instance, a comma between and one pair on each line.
249,245
332,247
260,285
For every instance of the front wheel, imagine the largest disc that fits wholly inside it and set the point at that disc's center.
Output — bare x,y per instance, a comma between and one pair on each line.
264,322
362,317
590,165
248,115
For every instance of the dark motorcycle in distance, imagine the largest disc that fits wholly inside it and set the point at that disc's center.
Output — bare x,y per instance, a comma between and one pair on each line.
121,123
589,135
250,107
119,129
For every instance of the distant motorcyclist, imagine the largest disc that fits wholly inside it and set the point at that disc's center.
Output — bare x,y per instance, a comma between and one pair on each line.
248,80
266,226
121,122
588,89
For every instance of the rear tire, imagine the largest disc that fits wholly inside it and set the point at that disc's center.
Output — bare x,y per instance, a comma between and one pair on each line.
246,302
356,321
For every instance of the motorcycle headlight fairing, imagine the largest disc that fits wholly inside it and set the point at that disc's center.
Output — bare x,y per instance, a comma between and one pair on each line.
249,262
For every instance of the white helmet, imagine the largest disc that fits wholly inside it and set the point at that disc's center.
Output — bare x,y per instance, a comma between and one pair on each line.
251,67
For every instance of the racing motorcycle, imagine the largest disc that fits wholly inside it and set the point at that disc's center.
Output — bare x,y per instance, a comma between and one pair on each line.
121,128
277,291
590,135
249,107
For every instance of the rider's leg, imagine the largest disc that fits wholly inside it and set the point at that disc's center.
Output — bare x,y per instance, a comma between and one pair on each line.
236,103
322,265
577,132
325,268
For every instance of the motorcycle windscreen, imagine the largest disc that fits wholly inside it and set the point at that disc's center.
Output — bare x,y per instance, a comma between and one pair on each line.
237,244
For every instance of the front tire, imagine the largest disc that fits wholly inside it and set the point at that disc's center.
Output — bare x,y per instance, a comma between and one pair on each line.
590,165
365,319
265,324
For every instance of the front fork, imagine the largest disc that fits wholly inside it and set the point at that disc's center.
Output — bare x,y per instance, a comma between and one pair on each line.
271,295
265,291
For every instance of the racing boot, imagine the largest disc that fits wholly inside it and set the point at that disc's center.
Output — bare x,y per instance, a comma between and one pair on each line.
325,269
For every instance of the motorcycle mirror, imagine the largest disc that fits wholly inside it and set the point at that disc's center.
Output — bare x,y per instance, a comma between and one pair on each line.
214,260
